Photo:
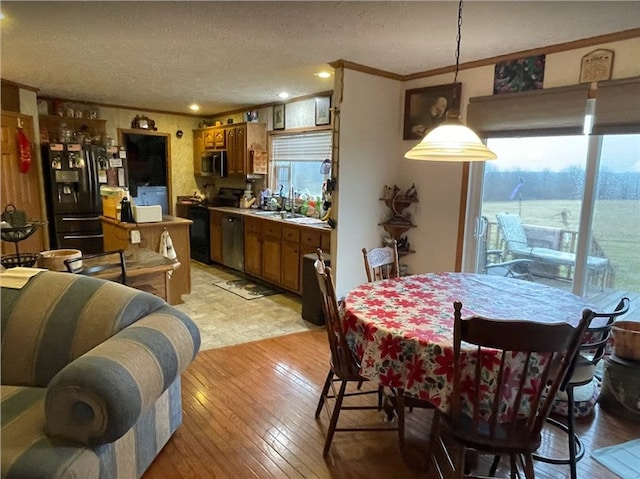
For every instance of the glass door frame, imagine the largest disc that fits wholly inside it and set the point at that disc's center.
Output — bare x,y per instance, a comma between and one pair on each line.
474,196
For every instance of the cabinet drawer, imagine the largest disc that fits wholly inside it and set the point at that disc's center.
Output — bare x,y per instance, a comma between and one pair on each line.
311,238
290,234
252,225
272,229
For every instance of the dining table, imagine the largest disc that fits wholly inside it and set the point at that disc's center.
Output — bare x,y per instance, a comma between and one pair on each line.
401,329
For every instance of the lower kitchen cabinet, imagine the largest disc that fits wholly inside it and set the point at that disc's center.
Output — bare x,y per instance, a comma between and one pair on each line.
215,234
291,258
271,251
253,246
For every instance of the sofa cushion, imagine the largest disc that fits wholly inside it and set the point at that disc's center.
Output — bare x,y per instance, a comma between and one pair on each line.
27,453
56,317
99,396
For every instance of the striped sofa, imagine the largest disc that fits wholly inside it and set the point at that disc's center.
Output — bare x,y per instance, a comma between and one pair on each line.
90,377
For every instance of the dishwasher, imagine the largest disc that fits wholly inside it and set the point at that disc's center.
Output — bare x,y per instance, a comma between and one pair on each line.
233,242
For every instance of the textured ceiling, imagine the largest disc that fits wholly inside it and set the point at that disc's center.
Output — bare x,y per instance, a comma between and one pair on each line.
228,55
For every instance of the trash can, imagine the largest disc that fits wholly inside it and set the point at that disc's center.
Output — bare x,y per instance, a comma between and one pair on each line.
311,295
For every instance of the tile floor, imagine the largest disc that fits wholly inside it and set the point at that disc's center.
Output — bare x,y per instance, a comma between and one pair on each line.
225,318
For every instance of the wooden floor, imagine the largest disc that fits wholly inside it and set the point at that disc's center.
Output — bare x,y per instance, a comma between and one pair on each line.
249,413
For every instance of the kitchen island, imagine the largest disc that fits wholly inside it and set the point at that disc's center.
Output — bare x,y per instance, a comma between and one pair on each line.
273,246
118,235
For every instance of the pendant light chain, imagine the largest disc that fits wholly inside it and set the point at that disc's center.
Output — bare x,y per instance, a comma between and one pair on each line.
452,140
458,39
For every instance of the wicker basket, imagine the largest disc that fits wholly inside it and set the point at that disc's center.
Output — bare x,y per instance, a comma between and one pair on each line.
626,339
22,259
54,259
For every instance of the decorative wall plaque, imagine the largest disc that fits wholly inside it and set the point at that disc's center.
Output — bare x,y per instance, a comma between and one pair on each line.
596,66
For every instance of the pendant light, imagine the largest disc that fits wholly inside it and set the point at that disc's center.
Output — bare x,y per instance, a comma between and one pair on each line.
452,140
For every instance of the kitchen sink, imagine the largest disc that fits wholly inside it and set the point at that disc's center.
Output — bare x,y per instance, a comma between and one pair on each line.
278,214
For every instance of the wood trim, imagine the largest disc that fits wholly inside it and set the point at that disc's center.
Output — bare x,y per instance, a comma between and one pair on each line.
462,214
365,69
20,85
558,48
306,129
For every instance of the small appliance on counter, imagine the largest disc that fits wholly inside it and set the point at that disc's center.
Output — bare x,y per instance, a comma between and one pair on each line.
147,214
112,196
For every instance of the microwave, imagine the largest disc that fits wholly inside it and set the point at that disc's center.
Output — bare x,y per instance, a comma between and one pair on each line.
214,163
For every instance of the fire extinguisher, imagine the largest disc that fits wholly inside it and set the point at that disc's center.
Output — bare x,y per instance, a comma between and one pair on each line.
24,151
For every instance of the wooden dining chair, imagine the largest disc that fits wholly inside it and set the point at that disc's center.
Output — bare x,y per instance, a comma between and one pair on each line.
582,372
381,263
501,412
109,265
344,365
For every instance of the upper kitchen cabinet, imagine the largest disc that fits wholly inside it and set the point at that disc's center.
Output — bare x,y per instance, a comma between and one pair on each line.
198,149
241,139
238,139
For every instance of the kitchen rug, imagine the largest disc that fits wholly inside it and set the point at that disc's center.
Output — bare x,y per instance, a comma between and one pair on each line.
623,459
246,289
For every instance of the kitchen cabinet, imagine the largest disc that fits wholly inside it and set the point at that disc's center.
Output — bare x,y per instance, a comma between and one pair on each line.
198,149
208,138
253,246
117,235
238,139
215,235
271,251
291,258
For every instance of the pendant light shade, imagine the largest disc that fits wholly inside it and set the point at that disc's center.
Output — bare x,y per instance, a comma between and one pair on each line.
452,140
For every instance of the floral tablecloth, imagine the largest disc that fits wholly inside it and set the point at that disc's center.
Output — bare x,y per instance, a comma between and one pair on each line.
402,328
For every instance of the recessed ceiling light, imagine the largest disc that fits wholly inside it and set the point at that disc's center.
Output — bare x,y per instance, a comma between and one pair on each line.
323,74
283,94
194,107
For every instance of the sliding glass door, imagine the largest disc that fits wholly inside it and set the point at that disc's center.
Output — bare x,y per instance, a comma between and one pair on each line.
569,205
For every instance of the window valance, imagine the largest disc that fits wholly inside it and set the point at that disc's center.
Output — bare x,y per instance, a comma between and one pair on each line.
552,111
618,107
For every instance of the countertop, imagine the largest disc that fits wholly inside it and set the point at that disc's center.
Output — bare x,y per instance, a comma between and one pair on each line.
305,221
166,221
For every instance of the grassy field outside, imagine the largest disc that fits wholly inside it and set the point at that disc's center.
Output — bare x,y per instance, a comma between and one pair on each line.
616,227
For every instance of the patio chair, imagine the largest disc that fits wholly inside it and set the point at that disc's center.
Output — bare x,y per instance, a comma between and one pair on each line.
518,245
503,412
381,263
582,372
344,366
490,260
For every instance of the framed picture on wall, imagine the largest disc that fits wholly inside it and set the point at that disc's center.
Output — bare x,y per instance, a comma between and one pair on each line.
323,110
278,117
425,108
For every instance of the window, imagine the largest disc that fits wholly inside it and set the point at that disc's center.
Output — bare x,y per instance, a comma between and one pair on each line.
296,161
577,196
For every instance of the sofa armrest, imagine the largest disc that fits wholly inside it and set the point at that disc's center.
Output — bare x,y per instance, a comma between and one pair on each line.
99,396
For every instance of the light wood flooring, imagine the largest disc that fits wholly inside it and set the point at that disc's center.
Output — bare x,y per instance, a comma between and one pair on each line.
249,413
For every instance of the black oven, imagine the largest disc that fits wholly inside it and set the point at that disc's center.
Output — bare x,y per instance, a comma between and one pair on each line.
200,234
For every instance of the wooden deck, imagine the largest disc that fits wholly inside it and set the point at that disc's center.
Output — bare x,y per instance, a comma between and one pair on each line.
249,413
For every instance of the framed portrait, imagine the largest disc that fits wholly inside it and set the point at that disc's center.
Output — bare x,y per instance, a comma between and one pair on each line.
425,108
323,111
278,117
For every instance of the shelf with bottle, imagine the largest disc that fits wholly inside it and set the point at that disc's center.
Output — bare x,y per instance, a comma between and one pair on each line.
67,129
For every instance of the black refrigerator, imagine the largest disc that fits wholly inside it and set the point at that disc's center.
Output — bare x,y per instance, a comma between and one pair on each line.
73,174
